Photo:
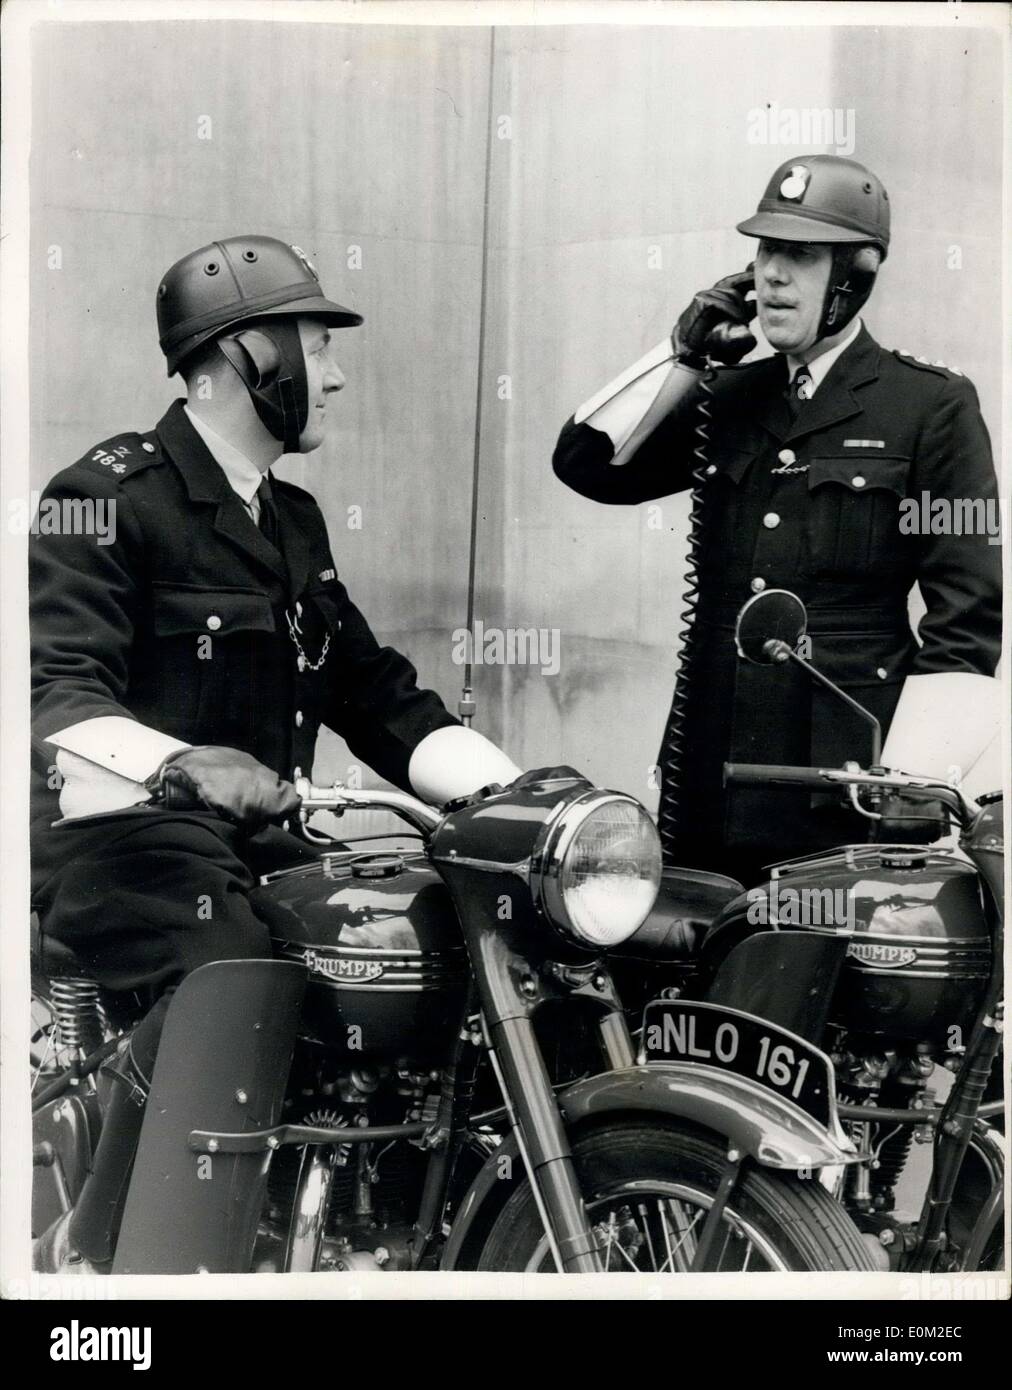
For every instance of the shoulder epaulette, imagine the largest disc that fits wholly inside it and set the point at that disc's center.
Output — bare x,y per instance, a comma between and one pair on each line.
123,454
939,368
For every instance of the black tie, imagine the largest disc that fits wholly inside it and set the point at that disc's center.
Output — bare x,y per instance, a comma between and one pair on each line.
268,512
800,389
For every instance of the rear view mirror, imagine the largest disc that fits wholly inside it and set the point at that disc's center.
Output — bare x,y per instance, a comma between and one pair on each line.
767,621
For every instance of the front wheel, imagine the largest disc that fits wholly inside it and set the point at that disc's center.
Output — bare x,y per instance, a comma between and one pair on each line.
648,1189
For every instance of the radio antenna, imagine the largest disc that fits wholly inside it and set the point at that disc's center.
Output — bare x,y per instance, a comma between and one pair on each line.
467,705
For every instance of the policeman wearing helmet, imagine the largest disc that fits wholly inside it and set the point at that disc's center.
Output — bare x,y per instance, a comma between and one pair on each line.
203,646
810,454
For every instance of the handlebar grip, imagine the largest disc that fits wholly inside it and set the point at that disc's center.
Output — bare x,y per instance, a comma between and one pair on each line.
177,797
763,774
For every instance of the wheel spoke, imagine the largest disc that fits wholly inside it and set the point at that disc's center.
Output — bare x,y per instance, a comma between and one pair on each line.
641,1208
613,1237
686,1233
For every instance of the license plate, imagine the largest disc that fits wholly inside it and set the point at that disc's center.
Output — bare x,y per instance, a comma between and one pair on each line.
676,1030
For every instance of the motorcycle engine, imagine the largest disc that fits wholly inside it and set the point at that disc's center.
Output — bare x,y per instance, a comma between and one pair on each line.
373,1190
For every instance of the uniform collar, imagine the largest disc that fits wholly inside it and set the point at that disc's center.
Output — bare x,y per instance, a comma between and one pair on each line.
854,366
244,477
819,366
205,481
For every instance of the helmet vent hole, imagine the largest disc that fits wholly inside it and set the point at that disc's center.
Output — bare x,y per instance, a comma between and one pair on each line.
162,291
866,186
249,255
211,268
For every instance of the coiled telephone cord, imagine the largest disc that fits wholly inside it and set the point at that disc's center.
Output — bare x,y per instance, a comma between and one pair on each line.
672,755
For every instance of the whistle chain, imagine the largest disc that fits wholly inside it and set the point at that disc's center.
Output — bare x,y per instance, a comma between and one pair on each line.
302,659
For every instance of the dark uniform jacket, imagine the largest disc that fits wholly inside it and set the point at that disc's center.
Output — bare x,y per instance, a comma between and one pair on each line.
882,427
182,622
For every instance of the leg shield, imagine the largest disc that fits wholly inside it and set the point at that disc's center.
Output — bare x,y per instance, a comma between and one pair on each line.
223,1064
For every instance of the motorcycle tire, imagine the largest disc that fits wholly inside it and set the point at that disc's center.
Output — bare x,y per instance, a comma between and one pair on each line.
775,1220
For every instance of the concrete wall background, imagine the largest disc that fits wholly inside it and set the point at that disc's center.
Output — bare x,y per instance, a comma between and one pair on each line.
620,141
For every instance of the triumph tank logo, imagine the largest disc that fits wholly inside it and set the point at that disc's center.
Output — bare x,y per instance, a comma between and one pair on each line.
878,953
338,968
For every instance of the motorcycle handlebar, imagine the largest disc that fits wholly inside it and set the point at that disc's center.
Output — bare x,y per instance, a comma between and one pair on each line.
337,798
879,779
762,774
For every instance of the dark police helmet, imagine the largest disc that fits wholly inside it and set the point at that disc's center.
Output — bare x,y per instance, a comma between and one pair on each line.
233,281
823,198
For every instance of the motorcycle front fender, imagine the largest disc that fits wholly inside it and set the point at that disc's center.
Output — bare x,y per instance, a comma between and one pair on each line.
772,1131
754,1120
222,1065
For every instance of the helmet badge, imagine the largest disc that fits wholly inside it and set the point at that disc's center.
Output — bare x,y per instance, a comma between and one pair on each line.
306,261
794,185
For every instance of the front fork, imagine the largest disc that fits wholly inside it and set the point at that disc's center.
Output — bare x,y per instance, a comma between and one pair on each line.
533,1109
542,1138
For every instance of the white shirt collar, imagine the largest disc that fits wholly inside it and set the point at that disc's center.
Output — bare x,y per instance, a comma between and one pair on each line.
819,366
244,477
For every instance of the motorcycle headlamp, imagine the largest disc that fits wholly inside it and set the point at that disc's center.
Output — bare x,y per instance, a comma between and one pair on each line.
596,869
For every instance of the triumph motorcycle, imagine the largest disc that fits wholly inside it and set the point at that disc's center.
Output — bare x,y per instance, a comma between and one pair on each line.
436,1071
865,984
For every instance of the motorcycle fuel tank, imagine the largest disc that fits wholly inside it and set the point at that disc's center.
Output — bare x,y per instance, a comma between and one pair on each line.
919,951
379,935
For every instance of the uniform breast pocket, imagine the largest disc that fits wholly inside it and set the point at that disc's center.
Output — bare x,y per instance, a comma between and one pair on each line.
853,515
209,648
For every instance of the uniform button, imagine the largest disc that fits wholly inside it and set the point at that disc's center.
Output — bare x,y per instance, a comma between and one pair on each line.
298,610
881,673
284,825
148,448
857,480
757,585
298,719
711,470
296,772
787,456
771,520
213,622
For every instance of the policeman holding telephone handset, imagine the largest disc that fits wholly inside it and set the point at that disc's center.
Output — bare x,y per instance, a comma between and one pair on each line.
799,463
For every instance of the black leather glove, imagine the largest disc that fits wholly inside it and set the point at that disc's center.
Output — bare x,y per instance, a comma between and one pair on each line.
906,820
231,783
715,324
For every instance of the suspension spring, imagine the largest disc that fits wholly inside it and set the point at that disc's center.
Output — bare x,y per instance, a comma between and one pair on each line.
673,750
78,1012
892,1159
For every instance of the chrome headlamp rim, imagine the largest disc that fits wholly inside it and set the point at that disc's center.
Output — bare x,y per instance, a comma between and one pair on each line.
549,856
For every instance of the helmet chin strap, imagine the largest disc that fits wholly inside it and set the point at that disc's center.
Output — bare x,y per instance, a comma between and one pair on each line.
271,365
851,278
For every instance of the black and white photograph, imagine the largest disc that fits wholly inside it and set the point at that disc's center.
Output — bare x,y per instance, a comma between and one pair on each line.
503,719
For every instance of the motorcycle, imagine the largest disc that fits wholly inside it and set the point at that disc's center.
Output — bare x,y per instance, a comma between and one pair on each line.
435,1071
846,980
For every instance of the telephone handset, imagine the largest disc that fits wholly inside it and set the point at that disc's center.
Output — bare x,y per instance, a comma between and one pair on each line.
744,284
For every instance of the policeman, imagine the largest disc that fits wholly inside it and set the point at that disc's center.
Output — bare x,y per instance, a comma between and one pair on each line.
809,470
201,640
